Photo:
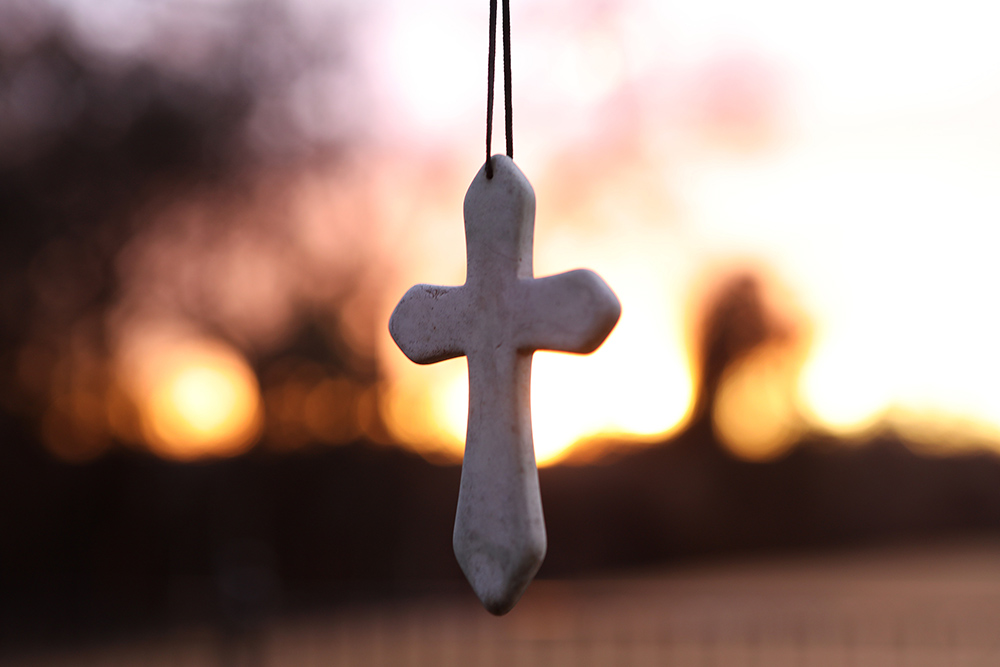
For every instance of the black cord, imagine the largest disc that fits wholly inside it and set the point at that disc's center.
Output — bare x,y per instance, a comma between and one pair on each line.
508,104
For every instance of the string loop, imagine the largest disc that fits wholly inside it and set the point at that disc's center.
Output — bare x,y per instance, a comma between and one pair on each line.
508,106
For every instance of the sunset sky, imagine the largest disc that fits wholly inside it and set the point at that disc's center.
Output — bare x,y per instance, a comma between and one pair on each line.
848,154
850,151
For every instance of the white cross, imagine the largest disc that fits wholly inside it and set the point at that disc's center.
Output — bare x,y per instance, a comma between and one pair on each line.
497,319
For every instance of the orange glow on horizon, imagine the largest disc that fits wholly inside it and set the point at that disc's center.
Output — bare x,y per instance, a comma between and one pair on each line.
863,179
661,139
756,415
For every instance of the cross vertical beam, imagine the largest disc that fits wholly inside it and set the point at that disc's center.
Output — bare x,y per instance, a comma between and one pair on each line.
497,319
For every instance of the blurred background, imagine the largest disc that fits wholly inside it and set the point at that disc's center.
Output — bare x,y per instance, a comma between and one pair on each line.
208,209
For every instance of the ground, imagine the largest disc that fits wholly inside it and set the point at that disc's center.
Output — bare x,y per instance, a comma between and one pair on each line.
932,605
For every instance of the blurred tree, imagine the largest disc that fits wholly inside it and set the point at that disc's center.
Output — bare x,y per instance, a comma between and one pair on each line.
735,322
91,141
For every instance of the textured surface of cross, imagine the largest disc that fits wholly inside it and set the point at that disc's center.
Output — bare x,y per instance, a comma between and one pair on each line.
497,319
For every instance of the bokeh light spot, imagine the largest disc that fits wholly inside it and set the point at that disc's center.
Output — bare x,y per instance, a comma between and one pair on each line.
755,415
196,398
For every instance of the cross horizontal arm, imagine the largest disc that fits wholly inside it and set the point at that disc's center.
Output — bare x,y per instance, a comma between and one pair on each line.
428,322
569,312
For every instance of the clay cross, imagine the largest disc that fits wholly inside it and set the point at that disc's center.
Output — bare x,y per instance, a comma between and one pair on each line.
497,319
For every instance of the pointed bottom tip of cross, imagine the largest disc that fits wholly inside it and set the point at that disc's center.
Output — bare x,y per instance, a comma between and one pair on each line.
498,605
499,586
494,587
499,609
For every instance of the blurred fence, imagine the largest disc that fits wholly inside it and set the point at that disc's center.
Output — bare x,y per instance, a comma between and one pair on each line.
936,607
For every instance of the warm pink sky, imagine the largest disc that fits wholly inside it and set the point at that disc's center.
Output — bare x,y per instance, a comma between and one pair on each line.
851,149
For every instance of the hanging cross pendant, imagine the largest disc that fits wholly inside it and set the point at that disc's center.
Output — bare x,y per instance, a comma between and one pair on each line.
497,319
